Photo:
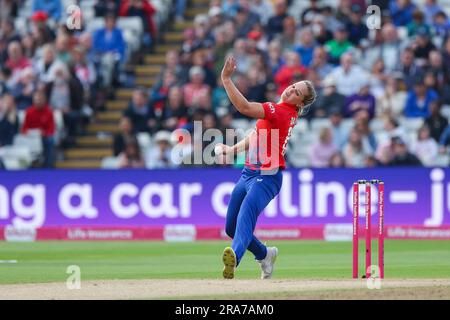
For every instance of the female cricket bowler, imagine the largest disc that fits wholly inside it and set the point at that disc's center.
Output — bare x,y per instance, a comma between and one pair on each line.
261,178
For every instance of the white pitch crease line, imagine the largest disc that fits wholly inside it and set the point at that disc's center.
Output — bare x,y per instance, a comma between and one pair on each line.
8,261
403,196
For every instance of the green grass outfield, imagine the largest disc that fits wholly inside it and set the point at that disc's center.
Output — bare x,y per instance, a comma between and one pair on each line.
48,261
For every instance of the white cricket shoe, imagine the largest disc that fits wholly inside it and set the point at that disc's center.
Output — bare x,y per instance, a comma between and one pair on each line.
268,262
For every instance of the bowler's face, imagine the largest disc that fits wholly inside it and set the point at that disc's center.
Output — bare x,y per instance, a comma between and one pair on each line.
295,93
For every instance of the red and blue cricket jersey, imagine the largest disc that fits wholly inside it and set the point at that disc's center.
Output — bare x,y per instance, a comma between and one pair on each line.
268,146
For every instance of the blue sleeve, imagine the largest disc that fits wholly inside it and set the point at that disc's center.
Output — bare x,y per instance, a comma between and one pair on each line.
121,45
409,106
445,136
96,44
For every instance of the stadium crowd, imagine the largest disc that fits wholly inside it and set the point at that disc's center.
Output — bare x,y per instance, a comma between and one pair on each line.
54,76
383,93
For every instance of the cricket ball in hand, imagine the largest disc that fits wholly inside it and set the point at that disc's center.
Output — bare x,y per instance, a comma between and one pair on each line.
218,149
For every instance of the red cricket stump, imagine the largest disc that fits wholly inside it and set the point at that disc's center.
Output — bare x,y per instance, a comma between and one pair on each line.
381,229
368,230
355,228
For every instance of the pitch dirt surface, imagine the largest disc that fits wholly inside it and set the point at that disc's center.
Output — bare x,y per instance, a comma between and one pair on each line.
232,289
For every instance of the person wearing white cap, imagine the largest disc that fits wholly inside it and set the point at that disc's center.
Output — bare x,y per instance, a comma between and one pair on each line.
159,155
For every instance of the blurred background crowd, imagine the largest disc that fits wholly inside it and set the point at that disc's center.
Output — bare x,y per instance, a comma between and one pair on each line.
384,92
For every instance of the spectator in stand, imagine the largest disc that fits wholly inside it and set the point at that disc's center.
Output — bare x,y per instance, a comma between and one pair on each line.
52,7
436,122
47,64
40,29
159,96
25,88
40,116
343,11
320,31
131,157
362,126
422,46
85,72
63,47
8,34
288,37
126,133
16,60
356,150
322,150
311,11
306,47
330,100
431,8
109,46
392,101
199,59
275,56
440,27
401,12
402,157
140,113
426,148
65,94
444,140
389,50
418,24
221,47
175,112
356,27
160,155
257,86
339,132
338,45
337,161
275,23
196,93
263,8
240,53
8,9
377,78
363,100
144,10
29,45
418,100
408,68
245,20
9,122
172,64
348,75
320,63
290,71
216,18
436,67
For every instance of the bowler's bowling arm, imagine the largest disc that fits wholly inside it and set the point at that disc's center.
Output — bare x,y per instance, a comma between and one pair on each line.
250,109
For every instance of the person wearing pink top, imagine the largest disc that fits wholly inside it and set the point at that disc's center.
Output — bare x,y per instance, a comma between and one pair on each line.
196,93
